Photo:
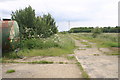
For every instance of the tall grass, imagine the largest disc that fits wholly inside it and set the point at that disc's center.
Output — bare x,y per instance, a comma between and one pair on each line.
56,45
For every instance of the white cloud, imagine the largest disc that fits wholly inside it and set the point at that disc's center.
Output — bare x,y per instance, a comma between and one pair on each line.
79,12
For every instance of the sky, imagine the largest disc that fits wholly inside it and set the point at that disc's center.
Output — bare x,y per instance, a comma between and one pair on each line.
68,13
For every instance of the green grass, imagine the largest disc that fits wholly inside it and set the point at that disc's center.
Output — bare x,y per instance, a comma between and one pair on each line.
96,54
114,54
33,62
10,71
56,45
0,60
70,57
46,52
87,44
102,40
41,62
61,62
84,73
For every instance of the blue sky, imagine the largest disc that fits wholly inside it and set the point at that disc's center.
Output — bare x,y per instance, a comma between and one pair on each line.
80,13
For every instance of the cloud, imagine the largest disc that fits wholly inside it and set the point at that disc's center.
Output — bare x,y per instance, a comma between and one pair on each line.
78,12
5,0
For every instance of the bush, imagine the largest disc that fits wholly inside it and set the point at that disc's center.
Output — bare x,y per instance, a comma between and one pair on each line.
39,44
96,31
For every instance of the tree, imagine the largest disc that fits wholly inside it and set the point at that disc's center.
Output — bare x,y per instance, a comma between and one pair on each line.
46,26
96,31
26,20
32,26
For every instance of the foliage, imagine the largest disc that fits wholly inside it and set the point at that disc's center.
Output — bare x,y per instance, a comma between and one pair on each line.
39,44
56,45
26,20
102,40
81,29
90,29
96,31
33,62
46,26
32,26
70,57
41,62
64,32
61,62
10,71
84,73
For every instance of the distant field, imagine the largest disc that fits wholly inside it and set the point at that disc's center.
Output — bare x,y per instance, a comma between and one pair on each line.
102,40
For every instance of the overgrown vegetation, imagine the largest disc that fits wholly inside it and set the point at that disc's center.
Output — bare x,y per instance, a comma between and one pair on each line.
96,31
70,57
90,29
84,73
10,71
35,62
32,26
32,29
56,45
102,40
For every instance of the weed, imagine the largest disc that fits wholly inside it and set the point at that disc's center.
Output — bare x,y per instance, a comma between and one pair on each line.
81,49
70,57
0,60
66,62
96,54
102,40
114,54
84,74
56,45
61,62
41,62
33,62
10,71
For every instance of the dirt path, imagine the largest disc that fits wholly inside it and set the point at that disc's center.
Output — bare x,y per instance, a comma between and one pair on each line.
56,70
95,62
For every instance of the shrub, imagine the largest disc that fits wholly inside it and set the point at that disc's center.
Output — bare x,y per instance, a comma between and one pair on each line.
39,44
96,31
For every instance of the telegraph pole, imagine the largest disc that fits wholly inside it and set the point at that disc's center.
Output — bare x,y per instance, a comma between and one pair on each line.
69,25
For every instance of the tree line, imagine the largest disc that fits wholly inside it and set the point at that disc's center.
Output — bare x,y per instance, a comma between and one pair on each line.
90,29
31,25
